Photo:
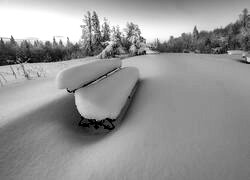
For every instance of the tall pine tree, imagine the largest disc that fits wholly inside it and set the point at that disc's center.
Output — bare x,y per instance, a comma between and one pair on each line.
105,31
97,37
87,34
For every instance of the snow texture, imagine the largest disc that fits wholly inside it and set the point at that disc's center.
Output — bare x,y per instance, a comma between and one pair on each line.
106,98
235,52
189,119
74,77
14,74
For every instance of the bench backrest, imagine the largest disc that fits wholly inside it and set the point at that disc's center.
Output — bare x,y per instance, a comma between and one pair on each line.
77,76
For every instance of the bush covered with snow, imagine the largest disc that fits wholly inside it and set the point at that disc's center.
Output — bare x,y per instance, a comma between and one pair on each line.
112,49
137,49
133,50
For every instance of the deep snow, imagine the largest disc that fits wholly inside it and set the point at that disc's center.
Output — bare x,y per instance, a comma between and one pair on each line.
106,98
49,69
76,76
189,120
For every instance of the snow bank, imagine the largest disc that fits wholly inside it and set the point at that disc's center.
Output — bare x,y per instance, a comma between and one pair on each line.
106,98
235,52
76,76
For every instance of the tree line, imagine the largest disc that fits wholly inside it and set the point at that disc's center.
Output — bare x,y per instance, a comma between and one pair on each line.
233,36
12,52
97,39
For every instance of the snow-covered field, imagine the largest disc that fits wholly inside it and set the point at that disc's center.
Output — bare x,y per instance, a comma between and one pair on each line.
190,119
14,73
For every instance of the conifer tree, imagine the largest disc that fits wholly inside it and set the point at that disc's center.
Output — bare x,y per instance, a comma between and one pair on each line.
2,52
13,42
87,34
54,44
61,44
195,33
116,35
105,31
96,28
2,45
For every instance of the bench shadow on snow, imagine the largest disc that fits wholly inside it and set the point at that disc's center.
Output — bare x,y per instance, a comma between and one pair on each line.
62,117
59,115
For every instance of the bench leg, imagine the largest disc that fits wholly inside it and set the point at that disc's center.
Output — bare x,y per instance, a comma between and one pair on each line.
106,123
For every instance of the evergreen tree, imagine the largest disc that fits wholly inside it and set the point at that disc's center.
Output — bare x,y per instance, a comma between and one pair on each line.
54,44
68,44
24,53
87,34
195,33
105,31
195,37
13,42
61,44
243,17
97,37
2,52
48,51
116,35
2,44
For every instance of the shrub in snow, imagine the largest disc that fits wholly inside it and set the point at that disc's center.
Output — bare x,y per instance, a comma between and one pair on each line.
137,49
142,49
111,50
133,50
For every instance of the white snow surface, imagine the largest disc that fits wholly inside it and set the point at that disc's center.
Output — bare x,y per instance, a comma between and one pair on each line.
44,70
74,77
235,52
106,98
189,119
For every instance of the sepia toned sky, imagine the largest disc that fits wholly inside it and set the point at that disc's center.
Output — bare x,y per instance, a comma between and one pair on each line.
156,18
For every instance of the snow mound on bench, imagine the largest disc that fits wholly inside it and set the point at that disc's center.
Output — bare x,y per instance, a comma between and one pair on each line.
106,98
74,77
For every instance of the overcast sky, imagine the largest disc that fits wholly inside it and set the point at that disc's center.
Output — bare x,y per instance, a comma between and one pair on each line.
156,18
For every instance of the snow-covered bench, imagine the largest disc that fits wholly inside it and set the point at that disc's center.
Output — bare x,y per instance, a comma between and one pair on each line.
77,76
103,91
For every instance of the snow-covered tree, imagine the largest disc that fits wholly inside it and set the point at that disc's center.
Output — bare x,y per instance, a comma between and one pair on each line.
13,42
116,35
2,43
111,50
61,44
2,52
97,37
54,44
243,17
105,31
136,41
195,33
87,34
